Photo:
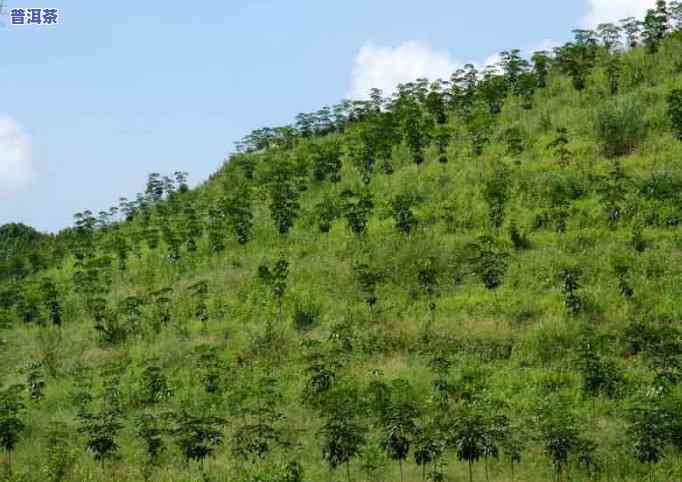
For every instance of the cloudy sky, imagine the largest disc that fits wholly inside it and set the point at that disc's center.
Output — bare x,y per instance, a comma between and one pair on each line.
117,90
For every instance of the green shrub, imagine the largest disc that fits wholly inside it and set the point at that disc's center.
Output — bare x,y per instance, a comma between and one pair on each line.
306,314
619,126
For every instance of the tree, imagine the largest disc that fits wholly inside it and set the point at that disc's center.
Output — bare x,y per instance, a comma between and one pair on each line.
442,136
655,26
463,89
397,422
151,237
675,10
238,213
496,427
161,308
172,242
276,279
622,271
367,279
154,386
322,372
215,228
151,431
360,149
210,368
129,311
490,262
101,429
632,28
200,294
27,304
427,276
518,238
637,240
16,239
35,381
514,442
254,439
181,181
560,436
284,195
197,436
518,77
429,446
401,209
192,228
558,146
12,408
613,69
600,375
609,34
107,323
479,123
326,160
586,37
51,301
675,111
541,62
496,194
121,249
525,89
154,188
357,209
468,437
416,126
60,455
576,59
649,432
341,433
435,101
328,211
569,287
613,191
513,65
493,90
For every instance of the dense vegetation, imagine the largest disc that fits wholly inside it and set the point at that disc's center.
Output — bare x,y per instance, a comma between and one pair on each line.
471,279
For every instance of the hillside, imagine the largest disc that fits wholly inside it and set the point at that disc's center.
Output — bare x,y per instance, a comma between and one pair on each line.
471,279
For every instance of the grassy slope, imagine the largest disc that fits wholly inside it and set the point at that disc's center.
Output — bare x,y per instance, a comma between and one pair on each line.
526,312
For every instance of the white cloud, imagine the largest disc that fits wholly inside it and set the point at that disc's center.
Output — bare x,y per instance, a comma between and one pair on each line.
16,166
547,44
601,11
492,61
386,67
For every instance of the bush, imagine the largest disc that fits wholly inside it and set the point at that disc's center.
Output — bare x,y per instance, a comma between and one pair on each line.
306,314
292,472
619,126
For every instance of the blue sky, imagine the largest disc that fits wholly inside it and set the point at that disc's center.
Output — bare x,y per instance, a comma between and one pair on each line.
117,90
